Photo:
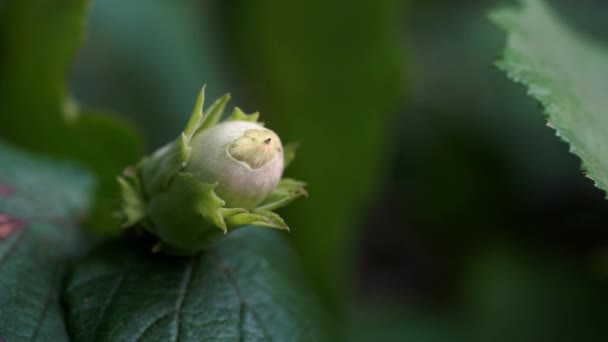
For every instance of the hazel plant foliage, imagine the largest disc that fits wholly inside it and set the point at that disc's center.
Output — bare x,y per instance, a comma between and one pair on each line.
215,177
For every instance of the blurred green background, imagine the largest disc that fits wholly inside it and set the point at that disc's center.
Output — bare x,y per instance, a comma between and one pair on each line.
441,208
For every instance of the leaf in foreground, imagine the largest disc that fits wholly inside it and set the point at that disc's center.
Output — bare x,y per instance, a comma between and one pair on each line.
245,288
39,203
567,73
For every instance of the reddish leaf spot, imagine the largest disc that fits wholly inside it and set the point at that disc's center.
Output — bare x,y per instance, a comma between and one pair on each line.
5,191
8,226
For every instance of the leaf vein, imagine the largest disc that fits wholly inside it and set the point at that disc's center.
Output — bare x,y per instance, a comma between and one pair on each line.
241,321
243,301
11,248
47,304
184,287
156,320
108,302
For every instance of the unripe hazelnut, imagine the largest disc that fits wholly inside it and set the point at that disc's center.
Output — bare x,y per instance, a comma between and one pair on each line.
244,158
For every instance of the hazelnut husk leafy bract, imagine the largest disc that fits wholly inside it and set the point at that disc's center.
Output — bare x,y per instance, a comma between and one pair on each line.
215,177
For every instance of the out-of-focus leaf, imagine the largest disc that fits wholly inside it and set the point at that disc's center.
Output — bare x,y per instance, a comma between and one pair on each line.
145,59
40,201
37,41
521,296
566,73
246,288
507,295
329,75
398,323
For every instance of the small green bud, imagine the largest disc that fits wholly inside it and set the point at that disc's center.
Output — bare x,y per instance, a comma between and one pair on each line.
243,158
213,178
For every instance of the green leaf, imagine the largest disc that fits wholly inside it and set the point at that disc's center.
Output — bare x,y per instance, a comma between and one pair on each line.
133,204
567,73
196,118
289,153
163,165
187,213
158,169
258,218
40,202
213,114
239,115
37,42
246,288
286,192
336,99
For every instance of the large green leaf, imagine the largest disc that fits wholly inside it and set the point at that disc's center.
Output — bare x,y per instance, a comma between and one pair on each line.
329,75
246,288
567,73
40,201
37,41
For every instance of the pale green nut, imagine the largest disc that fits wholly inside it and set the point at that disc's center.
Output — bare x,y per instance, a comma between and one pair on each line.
243,158
213,178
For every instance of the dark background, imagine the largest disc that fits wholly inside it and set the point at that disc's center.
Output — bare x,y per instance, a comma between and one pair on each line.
441,207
